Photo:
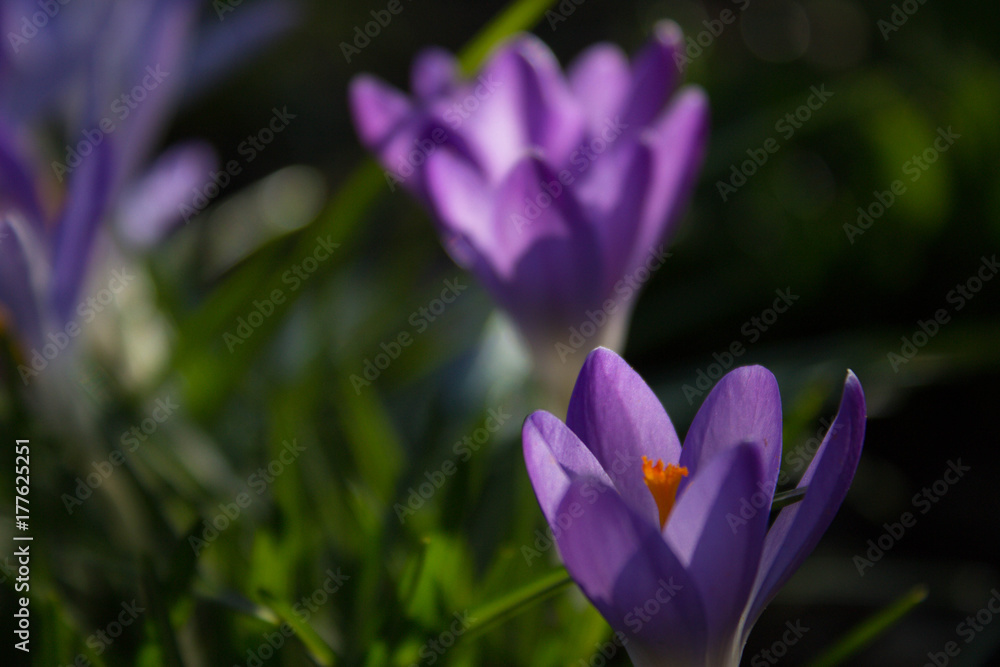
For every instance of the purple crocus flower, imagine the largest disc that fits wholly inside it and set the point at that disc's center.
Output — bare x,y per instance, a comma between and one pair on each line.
110,74
43,256
111,70
556,190
671,543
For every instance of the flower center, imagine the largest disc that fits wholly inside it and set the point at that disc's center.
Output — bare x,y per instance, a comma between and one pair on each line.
662,482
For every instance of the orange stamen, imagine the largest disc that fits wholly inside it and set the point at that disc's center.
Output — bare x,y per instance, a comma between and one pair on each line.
662,482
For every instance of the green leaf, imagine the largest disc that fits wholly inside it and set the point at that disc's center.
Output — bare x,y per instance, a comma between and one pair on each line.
371,438
518,601
440,581
63,640
156,599
786,498
517,17
871,628
212,366
319,649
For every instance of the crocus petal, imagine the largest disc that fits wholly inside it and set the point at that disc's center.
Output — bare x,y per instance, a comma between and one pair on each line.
18,293
744,406
678,142
555,121
434,73
799,527
600,80
461,199
626,179
154,205
405,152
522,102
17,187
496,129
654,74
556,249
35,80
149,42
624,567
717,542
377,108
554,456
77,227
617,415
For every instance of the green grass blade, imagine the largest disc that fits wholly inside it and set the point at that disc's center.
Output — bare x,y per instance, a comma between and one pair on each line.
202,358
513,603
786,498
155,598
870,629
519,15
319,649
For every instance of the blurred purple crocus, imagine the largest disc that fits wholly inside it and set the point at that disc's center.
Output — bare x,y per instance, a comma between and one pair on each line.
118,71
555,190
43,255
109,75
672,543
